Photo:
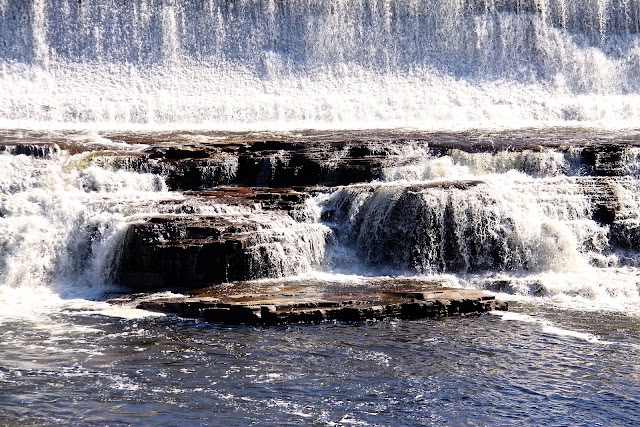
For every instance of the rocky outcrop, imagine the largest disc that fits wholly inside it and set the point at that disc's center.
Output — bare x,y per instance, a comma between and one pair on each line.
458,226
328,162
605,160
245,212
257,164
253,236
190,248
316,302
171,252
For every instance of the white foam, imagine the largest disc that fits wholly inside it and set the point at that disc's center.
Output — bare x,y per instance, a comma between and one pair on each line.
422,64
548,327
62,221
192,98
591,289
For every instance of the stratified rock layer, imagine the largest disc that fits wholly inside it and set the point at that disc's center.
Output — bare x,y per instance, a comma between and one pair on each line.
314,302
269,182
187,250
276,177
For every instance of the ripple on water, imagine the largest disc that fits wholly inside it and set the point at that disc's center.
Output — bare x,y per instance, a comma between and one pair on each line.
458,371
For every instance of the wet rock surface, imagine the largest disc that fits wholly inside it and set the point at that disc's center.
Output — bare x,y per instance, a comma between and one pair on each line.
335,163
265,164
289,302
170,252
271,180
184,250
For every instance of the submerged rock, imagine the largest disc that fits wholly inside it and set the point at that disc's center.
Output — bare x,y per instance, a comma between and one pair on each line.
34,149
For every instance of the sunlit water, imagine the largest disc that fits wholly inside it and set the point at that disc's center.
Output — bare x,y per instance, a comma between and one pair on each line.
112,75
75,368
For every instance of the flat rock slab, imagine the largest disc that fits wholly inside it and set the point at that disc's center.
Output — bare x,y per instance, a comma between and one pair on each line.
314,301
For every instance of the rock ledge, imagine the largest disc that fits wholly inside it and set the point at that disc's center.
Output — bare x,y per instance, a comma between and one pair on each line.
294,302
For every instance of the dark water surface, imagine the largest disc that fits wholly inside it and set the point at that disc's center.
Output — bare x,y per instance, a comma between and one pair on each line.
96,370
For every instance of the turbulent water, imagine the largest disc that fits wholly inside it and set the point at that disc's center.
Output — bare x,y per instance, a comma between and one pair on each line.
517,223
256,64
530,225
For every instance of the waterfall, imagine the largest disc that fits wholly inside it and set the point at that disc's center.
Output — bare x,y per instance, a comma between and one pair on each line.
64,220
208,69
319,64
560,222
462,226
532,223
61,223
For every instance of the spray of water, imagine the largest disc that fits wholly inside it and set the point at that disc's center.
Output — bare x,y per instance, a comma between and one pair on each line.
63,221
241,64
518,223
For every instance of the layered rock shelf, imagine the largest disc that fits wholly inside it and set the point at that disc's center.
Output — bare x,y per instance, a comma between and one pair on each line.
305,163
187,249
245,200
291,302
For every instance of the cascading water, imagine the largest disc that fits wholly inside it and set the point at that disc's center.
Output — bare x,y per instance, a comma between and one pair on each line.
490,144
61,225
275,65
519,222
63,220
280,65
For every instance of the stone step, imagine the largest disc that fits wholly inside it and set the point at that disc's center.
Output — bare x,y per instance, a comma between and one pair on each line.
186,249
315,302
289,163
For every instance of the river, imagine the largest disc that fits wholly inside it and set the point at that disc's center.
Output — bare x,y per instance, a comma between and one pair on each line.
544,214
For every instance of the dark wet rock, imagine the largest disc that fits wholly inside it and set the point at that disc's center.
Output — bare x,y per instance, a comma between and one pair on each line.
181,153
321,302
184,249
191,174
260,164
608,208
604,160
508,286
182,174
301,162
604,198
285,163
178,252
43,150
625,234
604,213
